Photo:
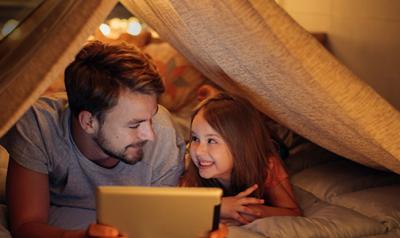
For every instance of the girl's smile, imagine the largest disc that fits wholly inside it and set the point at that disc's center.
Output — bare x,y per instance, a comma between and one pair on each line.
209,151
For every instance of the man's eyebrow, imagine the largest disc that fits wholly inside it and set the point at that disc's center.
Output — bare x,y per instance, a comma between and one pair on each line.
136,121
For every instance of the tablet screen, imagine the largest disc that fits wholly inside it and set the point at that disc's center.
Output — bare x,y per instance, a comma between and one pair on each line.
152,212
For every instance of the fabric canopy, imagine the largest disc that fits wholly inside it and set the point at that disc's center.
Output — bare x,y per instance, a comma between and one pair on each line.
38,51
254,47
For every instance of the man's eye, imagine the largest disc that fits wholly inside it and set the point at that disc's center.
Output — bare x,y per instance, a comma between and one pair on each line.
134,126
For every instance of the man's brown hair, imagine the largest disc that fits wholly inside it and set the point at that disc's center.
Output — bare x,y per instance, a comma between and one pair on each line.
95,79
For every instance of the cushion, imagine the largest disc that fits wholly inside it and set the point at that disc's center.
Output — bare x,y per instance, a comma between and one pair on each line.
304,199
181,82
340,176
180,78
240,232
322,220
381,203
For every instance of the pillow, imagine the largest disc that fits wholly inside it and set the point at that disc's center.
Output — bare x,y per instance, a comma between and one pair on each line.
180,78
341,176
321,220
181,81
240,232
381,203
304,199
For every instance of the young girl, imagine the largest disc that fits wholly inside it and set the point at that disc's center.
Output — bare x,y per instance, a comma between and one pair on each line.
231,148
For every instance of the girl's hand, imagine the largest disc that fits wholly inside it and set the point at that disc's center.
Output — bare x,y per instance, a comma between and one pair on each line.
103,231
232,207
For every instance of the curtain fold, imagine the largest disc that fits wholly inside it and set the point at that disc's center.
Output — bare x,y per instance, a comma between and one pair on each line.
38,51
255,48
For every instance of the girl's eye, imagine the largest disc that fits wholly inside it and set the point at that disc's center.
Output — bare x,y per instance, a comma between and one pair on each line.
211,141
195,139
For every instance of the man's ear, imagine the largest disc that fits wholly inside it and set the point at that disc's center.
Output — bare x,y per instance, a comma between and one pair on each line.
88,122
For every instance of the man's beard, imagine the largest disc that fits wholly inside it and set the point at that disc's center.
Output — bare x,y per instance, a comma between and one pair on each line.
103,144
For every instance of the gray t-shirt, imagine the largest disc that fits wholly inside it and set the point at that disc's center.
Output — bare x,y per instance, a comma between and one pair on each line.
42,141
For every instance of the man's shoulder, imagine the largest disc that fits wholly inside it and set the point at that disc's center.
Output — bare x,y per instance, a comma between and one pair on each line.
43,117
54,102
45,107
163,119
38,134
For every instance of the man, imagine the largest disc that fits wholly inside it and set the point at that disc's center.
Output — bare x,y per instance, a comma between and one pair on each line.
111,132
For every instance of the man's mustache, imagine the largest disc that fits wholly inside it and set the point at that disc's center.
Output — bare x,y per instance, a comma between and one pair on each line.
139,144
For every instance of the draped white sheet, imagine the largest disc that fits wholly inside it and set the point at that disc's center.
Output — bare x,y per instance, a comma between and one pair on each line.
256,48
39,50
249,46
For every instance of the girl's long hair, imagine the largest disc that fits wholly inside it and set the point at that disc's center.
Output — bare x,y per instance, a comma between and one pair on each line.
242,128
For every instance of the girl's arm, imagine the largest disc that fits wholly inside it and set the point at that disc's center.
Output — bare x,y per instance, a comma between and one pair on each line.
282,203
282,197
233,207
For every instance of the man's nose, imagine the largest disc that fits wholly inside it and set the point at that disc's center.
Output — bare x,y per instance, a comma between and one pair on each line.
147,132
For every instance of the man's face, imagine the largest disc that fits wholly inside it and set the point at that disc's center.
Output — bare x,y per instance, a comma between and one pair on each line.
127,127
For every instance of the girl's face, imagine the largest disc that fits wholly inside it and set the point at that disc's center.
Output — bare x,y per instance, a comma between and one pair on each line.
209,151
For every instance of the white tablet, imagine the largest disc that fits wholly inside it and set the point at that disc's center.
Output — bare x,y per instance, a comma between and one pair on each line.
159,212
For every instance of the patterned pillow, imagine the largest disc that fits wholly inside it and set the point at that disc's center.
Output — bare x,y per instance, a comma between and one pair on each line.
180,78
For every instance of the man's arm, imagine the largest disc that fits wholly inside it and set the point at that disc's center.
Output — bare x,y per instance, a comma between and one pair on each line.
28,204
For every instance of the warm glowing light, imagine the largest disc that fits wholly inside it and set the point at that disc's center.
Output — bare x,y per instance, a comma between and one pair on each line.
9,26
134,28
154,34
105,29
117,24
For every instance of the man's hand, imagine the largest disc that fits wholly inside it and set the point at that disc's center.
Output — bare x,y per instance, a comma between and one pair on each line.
103,231
232,207
222,232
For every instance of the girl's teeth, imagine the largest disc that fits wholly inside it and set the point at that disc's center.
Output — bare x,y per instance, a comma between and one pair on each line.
205,163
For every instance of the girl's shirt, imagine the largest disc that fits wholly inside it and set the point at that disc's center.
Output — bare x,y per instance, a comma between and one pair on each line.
276,173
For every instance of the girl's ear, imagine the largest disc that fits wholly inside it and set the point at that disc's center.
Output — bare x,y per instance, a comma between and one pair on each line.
88,122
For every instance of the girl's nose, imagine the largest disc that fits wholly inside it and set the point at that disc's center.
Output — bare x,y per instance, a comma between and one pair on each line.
201,149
